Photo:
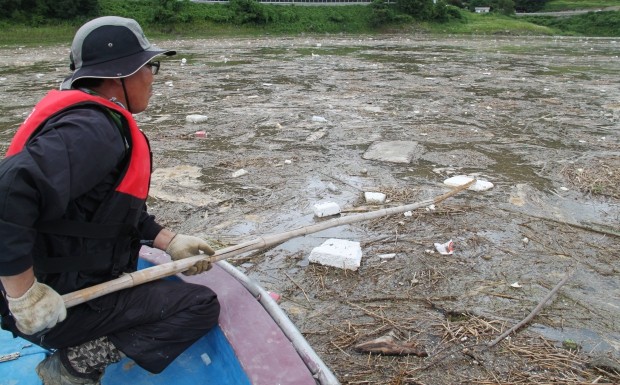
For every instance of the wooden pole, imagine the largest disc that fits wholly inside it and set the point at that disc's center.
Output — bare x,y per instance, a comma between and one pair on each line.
167,269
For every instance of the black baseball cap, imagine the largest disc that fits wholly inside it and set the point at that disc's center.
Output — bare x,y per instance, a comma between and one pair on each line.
110,47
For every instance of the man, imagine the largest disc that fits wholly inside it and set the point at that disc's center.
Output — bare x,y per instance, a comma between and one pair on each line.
72,214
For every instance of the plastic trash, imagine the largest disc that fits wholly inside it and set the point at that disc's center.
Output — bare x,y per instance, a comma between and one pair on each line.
196,118
480,185
445,248
275,296
326,209
374,197
238,173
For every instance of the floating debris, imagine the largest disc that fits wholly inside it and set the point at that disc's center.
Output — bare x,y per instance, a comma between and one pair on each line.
338,253
445,248
459,180
238,173
196,118
374,197
326,209
390,346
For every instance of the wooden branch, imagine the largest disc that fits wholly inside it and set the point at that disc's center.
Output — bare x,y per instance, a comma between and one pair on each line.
534,312
593,228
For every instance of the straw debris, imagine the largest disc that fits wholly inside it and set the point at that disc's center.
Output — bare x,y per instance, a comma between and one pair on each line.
597,176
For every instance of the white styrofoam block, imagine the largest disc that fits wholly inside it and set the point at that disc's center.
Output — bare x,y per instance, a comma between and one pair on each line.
238,173
326,209
374,197
338,253
196,118
480,185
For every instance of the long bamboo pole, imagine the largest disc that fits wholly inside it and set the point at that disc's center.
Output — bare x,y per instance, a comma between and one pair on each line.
167,269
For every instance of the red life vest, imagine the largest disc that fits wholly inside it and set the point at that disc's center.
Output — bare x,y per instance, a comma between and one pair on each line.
136,180
70,253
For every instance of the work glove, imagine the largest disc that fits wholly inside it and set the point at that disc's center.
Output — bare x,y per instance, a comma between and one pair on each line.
183,246
37,309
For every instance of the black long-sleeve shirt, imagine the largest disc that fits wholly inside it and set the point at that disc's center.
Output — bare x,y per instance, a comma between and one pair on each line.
67,169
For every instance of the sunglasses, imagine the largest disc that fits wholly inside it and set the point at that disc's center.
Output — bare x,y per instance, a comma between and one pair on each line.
154,66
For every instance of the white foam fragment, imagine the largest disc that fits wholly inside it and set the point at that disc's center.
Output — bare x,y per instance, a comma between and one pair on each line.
480,185
387,256
196,118
238,173
326,209
374,197
338,253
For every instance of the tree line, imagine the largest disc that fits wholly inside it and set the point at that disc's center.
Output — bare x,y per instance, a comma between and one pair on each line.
40,11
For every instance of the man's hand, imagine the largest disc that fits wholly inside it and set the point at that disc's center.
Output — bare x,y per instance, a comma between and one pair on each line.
37,309
183,246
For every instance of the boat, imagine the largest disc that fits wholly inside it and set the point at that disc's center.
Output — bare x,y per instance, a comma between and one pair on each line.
255,343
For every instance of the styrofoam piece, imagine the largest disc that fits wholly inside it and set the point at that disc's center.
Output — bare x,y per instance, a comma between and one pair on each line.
387,256
238,173
480,185
374,197
196,118
326,209
338,253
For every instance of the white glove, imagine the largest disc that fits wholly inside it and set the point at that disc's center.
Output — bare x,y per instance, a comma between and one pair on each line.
37,309
184,246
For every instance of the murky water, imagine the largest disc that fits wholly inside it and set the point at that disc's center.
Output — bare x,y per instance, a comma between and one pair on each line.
298,114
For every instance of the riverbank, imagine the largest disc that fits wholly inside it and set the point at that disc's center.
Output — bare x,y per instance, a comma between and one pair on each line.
217,20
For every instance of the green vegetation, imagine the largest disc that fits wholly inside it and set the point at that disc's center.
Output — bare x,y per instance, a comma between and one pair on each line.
16,34
488,24
587,24
174,18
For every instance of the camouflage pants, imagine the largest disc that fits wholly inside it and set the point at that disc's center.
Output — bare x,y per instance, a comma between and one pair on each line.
92,357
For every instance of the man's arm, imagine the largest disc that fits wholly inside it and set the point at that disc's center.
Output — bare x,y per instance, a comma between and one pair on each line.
16,285
163,239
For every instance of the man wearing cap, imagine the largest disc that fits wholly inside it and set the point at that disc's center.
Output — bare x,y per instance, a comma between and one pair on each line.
73,188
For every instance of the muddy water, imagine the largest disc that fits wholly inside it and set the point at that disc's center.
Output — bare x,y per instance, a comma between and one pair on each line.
298,115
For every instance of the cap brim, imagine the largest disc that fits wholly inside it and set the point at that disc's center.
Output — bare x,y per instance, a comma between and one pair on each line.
119,68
